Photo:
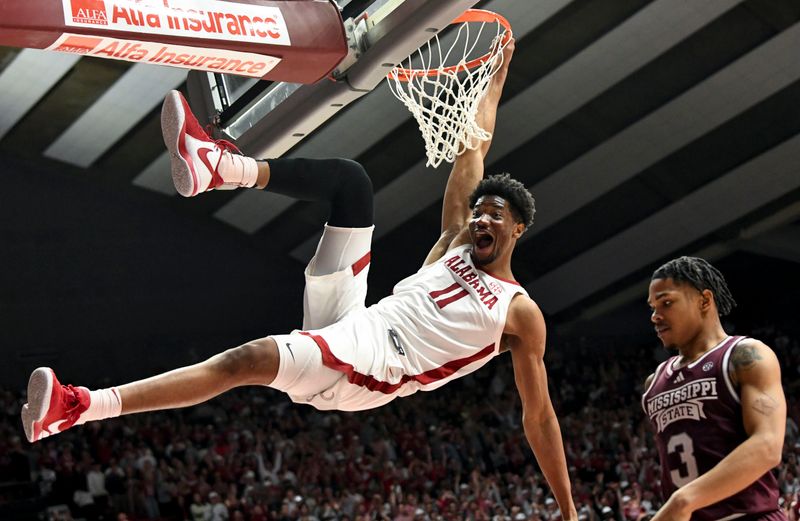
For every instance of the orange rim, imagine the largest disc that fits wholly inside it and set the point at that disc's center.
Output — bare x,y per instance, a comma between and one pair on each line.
470,15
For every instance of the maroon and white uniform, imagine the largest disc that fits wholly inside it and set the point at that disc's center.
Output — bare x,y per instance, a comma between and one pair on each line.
441,323
697,417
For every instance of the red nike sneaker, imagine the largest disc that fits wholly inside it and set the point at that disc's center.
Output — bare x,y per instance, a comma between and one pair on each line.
51,407
200,163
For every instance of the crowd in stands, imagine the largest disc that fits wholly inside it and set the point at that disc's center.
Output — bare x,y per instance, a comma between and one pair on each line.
455,454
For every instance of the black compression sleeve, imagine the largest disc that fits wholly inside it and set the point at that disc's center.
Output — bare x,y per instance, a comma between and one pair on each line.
342,182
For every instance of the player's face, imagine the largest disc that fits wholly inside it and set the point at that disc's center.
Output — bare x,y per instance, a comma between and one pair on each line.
676,312
492,229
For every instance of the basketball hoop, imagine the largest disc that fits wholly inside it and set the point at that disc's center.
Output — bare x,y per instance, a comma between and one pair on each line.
444,98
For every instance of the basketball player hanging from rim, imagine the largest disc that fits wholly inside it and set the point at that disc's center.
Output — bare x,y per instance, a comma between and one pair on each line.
458,311
717,407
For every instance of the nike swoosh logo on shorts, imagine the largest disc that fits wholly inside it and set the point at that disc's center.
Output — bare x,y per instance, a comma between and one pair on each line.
289,347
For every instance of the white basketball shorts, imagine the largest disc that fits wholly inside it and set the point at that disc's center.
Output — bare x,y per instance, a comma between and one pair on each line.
328,299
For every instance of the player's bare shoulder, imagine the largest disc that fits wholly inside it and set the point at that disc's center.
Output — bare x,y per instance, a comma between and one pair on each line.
524,322
748,356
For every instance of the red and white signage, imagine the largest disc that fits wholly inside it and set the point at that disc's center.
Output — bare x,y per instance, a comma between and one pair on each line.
211,60
251,23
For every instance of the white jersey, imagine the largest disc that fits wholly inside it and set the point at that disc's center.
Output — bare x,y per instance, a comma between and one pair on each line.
441,323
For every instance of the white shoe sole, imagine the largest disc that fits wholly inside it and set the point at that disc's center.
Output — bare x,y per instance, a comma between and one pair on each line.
173,123
40,389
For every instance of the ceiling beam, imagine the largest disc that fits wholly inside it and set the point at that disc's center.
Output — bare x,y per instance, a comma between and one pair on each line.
137,93
731,91
26,80
638,290
718,203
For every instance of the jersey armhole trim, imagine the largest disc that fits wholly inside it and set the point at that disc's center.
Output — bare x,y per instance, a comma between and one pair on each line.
732,516
653,382
656,375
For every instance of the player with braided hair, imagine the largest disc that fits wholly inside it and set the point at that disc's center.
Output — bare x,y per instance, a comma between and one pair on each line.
717,406
702,276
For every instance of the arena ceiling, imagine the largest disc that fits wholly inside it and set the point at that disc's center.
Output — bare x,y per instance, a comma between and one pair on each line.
645,129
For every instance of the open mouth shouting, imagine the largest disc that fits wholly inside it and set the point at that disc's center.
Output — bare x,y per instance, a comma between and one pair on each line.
483,243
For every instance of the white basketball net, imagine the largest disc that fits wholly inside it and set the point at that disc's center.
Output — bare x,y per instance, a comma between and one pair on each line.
445,105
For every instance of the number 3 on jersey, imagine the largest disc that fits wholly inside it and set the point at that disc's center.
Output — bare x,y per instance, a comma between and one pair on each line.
682,445
450,294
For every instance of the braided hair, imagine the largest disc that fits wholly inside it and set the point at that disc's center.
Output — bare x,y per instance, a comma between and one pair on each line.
503,185
701,275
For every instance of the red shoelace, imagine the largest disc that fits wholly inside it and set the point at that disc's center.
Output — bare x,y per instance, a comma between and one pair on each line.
224,145
72,404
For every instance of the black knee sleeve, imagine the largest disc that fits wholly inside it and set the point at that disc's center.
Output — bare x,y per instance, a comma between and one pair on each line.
342,182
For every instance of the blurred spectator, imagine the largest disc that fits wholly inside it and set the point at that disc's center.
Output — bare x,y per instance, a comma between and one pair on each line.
217,510
199,510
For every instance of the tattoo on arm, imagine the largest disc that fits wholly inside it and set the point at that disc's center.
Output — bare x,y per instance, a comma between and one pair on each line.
744,357
765,404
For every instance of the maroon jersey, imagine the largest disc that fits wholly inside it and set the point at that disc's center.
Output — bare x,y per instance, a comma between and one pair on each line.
697,417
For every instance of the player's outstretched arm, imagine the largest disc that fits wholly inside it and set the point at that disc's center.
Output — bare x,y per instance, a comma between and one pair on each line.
467,169
757,371
525,333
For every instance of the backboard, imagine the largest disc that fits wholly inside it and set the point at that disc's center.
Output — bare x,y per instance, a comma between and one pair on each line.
267,119
292,40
